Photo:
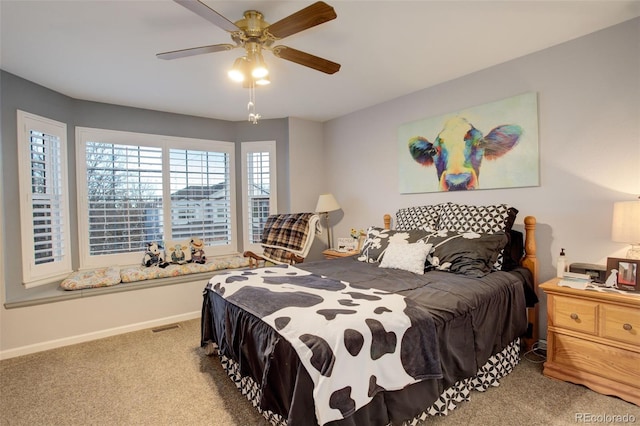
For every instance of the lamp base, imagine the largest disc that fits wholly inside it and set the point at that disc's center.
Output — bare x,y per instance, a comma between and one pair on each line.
329,243
634,252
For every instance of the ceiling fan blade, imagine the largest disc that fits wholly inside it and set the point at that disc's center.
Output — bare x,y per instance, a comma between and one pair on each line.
201,9
183,53
316,14
306,59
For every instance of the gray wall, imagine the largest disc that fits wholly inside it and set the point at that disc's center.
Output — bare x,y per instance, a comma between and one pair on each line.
307,170
589,134
18,93
40,327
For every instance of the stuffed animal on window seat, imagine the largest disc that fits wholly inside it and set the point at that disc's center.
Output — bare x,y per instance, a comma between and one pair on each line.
178,252
197,251
153,256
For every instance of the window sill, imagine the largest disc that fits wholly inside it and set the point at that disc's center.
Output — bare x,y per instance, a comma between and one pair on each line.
52,293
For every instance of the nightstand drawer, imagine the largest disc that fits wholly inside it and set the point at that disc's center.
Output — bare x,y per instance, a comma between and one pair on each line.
620,323
606,361
575,314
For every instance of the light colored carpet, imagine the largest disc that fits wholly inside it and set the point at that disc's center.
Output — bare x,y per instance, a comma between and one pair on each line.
164,378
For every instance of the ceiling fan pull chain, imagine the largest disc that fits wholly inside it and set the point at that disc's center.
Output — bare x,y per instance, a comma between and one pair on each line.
251,106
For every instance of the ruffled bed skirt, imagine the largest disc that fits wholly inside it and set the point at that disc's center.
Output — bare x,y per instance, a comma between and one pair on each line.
489,375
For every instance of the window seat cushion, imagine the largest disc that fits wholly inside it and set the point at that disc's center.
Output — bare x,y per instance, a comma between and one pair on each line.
101,277
109,276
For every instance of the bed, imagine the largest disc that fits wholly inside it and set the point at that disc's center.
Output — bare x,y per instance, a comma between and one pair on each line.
428,311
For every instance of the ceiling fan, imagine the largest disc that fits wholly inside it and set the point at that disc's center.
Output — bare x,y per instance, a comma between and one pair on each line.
254,34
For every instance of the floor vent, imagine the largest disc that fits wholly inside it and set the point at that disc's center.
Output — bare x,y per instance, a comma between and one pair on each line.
165,328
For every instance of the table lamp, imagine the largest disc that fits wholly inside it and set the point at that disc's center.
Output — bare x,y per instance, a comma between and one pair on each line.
327,203
626,226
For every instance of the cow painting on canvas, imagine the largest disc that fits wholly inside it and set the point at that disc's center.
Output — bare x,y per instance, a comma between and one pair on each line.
458,150
488,146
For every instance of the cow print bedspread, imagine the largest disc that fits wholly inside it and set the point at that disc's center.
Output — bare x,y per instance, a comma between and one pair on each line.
353,342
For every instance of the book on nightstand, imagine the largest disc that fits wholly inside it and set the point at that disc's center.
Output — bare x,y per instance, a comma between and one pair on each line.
575,280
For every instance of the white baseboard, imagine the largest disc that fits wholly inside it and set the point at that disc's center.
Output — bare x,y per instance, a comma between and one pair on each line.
72,340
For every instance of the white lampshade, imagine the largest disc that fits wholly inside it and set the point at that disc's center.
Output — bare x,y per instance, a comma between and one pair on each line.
626,225
327,203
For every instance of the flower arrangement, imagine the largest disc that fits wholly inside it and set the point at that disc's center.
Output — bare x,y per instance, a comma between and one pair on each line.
358,235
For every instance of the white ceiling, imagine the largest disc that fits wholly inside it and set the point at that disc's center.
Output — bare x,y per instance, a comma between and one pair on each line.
105,50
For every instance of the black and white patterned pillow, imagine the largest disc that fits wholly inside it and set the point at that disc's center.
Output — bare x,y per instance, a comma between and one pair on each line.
418,217
378,240
481,219
467,253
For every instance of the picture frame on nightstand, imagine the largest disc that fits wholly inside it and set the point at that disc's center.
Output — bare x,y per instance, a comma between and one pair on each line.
347,244
628,277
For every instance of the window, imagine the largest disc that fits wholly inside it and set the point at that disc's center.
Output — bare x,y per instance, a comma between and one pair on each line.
136,188
200,196
259,189
42,169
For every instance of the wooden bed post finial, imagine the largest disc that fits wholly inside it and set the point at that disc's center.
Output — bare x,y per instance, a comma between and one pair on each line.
387,221
530,227
530,260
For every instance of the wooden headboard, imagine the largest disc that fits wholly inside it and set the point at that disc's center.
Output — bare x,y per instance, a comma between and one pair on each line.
529,261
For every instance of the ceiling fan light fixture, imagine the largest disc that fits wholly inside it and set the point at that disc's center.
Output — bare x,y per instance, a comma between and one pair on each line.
238,72
263,81
259,72
236,75
258,66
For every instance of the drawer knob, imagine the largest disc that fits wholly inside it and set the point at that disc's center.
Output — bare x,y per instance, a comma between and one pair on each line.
574,316
627,326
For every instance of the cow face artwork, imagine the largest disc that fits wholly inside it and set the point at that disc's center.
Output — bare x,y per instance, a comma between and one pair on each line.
458,150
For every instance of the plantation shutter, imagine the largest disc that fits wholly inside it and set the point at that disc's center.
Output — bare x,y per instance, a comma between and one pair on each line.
124,184
258,179
42,169
47,198
201,196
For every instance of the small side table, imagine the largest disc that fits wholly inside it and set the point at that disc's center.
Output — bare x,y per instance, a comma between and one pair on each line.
593,339
335,254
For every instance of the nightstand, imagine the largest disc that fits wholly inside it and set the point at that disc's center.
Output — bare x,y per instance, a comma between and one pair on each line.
334,254
593,339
